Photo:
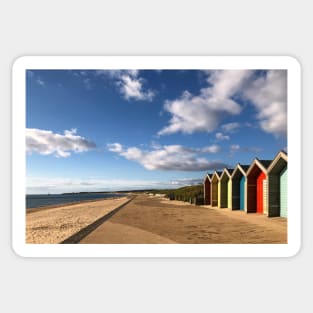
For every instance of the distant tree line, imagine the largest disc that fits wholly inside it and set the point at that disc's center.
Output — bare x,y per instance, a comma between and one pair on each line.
193,194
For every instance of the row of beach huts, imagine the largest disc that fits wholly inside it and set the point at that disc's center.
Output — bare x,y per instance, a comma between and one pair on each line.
260,187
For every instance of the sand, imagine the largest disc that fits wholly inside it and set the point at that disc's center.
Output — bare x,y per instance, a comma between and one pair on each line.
149,219
53,225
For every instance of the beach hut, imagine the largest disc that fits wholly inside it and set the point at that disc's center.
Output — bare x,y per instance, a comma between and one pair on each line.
215,188
277,185
257,191
238,183
225,189
207,189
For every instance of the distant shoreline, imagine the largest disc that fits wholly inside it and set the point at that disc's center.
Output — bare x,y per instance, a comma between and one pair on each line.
54,206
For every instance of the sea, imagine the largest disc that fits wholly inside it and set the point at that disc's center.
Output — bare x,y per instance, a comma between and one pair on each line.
36,201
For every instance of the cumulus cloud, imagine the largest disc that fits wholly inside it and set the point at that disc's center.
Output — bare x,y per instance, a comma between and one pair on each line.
129,84
170,158
115,147
45,142
236,148
131,87
210,149
268,94
220,136
203,112
230,127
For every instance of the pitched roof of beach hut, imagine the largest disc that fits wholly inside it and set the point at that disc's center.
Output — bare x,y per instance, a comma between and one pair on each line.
265,163
209,176
262,164
217,174
279,161
242,168
277,175
227,171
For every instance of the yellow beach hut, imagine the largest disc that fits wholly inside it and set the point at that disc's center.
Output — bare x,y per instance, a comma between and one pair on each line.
225,189
215,188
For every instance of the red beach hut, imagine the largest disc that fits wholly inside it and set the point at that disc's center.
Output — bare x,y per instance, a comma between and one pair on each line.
207,189
257,190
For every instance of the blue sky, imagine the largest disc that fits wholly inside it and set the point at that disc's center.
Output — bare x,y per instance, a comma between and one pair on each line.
91,130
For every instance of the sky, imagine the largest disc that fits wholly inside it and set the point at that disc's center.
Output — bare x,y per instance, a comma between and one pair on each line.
106,130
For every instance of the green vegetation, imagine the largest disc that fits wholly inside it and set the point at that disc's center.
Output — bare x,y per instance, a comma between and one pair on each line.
193,194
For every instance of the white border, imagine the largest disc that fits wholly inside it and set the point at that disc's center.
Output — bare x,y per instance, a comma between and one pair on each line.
156,62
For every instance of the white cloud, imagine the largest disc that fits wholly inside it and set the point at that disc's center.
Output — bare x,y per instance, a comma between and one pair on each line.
45,142
40,82
203,112
84,76
115,147
186,182
171,158
129,84
131,87
220,136
211,149
226,83
269,96
230,127
41,185
236,148
232,149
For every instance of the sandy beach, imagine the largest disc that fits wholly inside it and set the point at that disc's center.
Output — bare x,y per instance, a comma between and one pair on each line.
150,219
55,224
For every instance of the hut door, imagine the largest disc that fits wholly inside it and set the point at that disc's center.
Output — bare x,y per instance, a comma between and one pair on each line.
242,193
259,198
283,193
264,196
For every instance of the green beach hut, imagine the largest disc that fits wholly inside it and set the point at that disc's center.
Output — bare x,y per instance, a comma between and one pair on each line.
277,185
238,194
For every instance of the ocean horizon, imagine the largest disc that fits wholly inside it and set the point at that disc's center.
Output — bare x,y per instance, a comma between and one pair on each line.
42,200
